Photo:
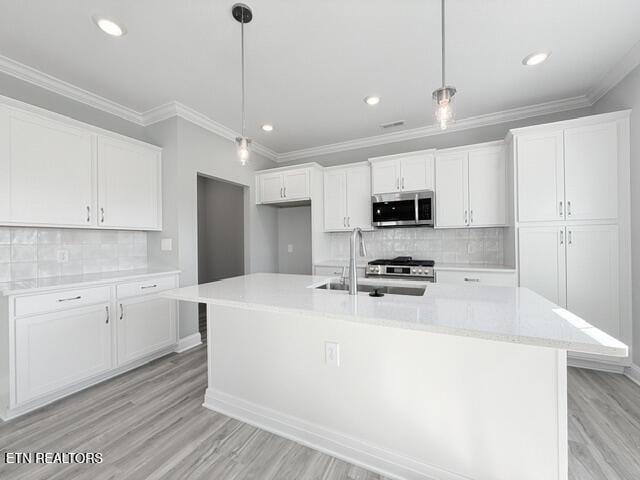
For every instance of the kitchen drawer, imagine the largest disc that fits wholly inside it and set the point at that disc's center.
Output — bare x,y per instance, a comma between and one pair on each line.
51,302
501,279
146,286
326,271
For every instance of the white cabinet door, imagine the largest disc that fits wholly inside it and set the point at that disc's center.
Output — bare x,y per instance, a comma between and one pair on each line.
271,187
145,325
359,197
487,187
540,177
592,275
129,178
591,172
416,172
296,184
335,200
542,261
385,176
451,190
47,171
57,350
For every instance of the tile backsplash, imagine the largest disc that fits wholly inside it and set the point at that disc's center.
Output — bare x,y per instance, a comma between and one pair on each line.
481,246
27,253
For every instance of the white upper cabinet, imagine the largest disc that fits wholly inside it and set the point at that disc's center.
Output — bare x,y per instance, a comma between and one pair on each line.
129,185
408,172
47,171
591,174
540,177
568,174
60,173
347,198
487,187
283,185
471,187
451,190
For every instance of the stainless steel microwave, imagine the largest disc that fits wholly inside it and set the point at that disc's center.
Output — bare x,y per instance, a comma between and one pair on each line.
403,209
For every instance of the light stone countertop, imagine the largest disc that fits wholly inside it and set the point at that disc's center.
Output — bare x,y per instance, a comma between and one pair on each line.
40,285
507,314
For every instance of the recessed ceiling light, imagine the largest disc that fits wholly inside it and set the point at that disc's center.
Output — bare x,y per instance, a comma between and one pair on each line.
267,127
109,26
372,100
535,58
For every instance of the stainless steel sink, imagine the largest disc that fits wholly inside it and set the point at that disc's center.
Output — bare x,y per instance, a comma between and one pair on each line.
416,291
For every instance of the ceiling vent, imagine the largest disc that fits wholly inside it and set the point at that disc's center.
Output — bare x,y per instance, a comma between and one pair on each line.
397,123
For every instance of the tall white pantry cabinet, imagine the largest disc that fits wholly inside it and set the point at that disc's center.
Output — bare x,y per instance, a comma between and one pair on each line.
572,219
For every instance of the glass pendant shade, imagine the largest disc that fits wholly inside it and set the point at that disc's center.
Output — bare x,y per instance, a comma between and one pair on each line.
243,146
444,106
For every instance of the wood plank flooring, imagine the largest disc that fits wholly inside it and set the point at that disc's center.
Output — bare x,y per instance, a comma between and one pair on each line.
150,424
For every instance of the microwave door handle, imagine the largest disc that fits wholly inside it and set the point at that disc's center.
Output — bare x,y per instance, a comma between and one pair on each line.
417,210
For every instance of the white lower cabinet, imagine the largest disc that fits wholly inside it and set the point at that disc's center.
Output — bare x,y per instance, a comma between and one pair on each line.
64,340
576,267
476,277
145,325
59,349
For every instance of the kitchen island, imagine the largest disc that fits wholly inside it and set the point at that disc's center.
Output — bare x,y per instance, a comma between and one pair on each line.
461,382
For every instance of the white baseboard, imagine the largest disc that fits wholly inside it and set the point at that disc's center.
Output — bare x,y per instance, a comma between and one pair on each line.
354,451
633,373
188,343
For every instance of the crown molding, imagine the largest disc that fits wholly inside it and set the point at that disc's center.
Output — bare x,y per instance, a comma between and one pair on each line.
53,84
620,70
177,109
431,130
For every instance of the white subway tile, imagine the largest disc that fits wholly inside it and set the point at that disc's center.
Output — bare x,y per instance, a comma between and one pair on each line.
24,270
5,235
5,253
23,236
47,236
23,253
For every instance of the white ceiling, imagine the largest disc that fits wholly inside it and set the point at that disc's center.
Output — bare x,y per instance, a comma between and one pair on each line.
311,62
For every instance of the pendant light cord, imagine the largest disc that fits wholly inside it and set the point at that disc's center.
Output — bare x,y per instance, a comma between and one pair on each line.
442,13
242,57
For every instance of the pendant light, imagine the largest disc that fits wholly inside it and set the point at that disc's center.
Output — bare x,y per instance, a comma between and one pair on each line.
443,96
243,14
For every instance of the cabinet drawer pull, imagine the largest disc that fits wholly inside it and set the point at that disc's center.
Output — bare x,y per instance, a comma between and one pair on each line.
148,286
69,299
88,214
121,311
467,279
101,215
107,320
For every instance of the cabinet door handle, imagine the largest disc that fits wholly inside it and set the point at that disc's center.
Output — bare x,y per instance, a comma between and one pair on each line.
284,192
570,242
471,216
344,221
148,286
466,217
397,184
348,221
568,208
107,309
69,299
560,210
121,311
561,237
101,215
467,279
402,183
88,214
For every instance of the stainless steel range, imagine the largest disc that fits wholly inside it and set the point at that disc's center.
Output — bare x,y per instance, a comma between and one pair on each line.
402,267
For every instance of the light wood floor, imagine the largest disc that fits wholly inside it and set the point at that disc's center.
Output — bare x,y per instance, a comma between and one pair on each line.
149,424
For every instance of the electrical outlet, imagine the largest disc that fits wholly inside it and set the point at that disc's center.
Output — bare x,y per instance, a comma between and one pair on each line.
63,256
332,354
290,248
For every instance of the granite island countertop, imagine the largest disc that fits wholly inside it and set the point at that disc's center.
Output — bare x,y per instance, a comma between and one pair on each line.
507,314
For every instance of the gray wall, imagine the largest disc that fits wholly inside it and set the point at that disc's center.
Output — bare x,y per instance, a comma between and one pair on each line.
294,228
443,140
191,150
25,92
624,96
220,230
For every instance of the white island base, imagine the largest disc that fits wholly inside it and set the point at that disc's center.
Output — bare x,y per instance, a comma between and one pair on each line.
405,403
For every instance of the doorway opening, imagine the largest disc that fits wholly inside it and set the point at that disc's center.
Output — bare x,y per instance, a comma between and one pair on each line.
220,234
